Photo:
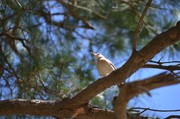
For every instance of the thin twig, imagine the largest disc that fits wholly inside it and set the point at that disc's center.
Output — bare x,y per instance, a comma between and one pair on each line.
48,90
170,67
19,39
157,62
155,110
139,25
82,8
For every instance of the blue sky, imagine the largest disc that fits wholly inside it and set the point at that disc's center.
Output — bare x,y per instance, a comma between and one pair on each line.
166,98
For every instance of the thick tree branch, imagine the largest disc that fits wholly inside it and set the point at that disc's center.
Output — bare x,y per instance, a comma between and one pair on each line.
119,104
32,107
95,113
49,108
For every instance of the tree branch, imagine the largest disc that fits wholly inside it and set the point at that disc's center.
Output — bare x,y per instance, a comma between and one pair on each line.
71,7
160,63
173,117
119,104
13,38
140,24
150,109
160,80
32,107
68,3
49,108
170,67
129,90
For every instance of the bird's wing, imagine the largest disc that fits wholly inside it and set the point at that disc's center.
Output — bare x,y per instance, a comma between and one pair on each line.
112,65
105,66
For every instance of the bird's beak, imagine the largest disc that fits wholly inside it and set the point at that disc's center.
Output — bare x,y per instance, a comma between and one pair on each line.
93,53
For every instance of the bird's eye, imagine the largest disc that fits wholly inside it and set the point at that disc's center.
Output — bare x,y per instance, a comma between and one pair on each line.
98,54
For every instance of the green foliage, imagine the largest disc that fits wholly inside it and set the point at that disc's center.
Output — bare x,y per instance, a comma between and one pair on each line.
47,54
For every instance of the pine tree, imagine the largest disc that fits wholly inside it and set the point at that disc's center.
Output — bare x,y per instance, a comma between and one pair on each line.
45,54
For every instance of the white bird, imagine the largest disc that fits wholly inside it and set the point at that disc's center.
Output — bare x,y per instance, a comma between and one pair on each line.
104,65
